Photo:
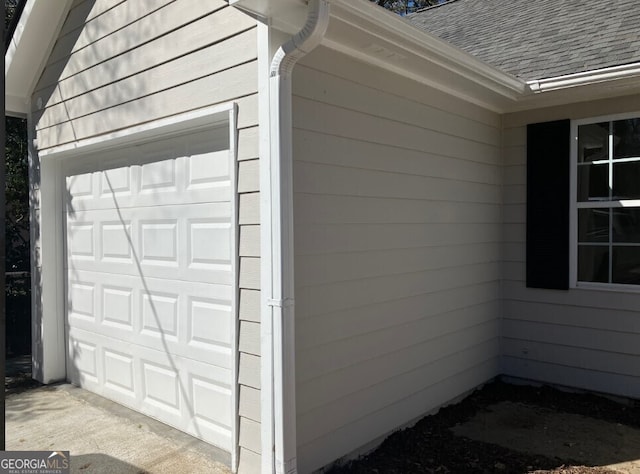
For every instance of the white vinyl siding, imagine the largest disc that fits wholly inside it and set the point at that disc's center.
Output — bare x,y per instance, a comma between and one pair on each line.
583,338
397,241
117,64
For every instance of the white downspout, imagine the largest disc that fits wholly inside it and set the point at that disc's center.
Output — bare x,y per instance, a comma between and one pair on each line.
281,301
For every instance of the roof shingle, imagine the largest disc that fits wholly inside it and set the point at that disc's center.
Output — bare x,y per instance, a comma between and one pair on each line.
537,39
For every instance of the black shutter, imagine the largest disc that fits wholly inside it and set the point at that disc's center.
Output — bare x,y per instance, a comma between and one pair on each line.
548,175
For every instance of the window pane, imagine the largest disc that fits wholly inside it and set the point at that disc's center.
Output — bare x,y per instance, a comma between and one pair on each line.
626,225
593,263
593,225
626,265
626,180
593,142
626,138
593,182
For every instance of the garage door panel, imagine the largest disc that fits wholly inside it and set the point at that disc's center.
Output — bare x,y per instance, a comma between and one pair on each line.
214,194
209,324
80,187
86,355
82,300
117,307
207,171
159,242
216,293
209,396
173,242
197,179
211,419
218,355
161,177
191,395
118,371
85,342
150,281
217,274
217,194
82,233
214,212
114,240
118,183
195,325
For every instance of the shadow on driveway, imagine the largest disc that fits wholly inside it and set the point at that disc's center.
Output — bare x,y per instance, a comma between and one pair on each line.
101,436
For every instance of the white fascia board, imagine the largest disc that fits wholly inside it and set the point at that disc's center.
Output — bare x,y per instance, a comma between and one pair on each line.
30,46
365,15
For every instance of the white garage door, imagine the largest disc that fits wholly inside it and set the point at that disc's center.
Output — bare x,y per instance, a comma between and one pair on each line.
150,281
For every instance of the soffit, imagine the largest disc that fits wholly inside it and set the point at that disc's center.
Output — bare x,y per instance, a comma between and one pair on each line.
29,49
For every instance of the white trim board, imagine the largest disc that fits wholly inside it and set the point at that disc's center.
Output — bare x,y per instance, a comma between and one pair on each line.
186,122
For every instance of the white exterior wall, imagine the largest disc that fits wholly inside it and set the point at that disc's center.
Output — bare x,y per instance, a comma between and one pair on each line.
397,217
587,339
117,64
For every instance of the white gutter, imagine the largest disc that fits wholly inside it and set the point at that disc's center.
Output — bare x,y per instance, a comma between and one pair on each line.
281,299
627,71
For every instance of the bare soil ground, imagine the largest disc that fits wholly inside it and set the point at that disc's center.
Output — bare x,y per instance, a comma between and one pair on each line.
506,428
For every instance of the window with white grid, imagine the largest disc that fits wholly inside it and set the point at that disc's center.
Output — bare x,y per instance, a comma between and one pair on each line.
607,201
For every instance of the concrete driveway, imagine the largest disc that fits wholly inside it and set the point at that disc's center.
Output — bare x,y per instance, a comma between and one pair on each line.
102,436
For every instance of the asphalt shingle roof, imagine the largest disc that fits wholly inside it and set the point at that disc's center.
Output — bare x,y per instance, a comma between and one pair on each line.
536,39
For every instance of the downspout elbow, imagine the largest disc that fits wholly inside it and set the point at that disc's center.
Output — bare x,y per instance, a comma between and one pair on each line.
304,41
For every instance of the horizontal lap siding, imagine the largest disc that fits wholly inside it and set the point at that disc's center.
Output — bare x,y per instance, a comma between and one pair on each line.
581,338
397,213
118,64
181,56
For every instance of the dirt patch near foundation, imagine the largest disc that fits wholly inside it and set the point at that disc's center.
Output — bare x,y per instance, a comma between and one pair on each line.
507,428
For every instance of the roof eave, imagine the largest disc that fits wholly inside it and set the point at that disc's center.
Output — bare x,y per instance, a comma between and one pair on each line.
372,34
30,46
375,35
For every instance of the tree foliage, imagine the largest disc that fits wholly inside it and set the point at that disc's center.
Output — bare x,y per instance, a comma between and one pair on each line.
10,7
17,195
403,7
17,182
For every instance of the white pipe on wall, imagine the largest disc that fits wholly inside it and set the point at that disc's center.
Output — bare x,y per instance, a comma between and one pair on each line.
281,300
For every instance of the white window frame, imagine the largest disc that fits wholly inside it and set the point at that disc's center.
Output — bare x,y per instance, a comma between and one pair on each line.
573,206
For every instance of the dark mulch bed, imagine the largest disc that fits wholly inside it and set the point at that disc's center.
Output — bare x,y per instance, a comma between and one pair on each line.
431,447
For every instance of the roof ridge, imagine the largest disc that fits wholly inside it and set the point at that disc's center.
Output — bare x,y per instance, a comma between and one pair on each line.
431,7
